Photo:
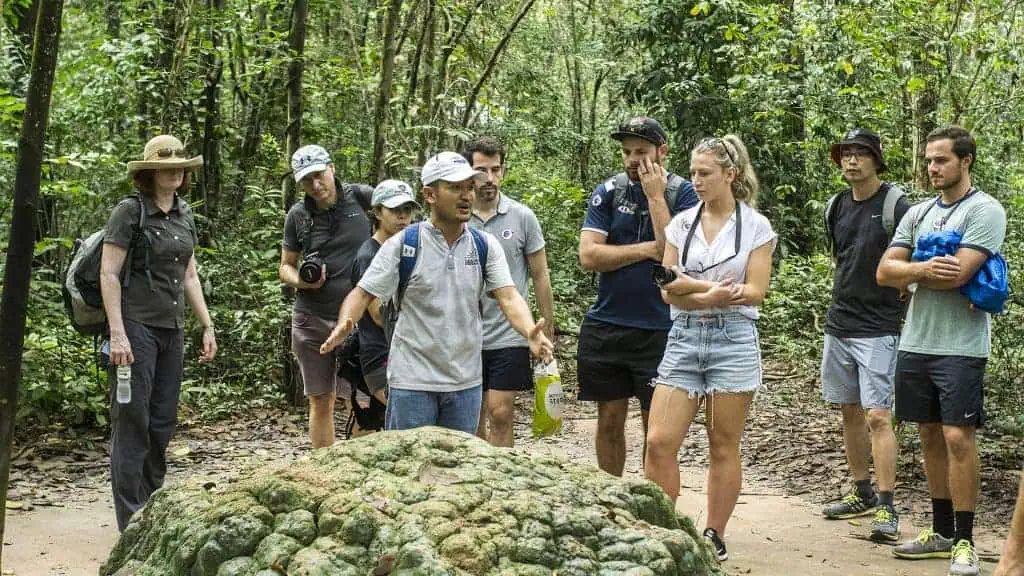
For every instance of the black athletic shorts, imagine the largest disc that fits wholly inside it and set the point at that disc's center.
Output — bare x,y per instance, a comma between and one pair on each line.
615,362
507,369
946,389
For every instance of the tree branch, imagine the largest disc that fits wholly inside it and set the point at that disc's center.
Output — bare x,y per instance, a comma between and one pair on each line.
471,102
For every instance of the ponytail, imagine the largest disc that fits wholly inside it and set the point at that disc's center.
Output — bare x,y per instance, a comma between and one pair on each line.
745,186
730,152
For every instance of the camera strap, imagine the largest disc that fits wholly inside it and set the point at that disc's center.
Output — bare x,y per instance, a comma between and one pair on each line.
693,230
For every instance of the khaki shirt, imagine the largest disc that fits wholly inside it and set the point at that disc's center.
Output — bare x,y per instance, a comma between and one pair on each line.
157,300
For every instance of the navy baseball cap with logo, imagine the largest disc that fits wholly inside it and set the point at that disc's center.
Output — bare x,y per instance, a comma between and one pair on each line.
859,137
642,127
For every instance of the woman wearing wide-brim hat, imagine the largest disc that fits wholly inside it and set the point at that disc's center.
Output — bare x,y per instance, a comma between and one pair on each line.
145,308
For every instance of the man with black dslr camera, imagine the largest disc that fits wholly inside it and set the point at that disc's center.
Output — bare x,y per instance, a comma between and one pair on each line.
326,227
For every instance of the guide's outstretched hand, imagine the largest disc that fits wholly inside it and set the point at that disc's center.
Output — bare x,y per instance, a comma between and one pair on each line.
540,346
338,335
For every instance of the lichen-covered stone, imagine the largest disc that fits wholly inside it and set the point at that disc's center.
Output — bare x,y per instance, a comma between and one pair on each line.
426,502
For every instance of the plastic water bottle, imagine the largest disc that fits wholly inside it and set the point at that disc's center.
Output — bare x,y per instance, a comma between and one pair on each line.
124,384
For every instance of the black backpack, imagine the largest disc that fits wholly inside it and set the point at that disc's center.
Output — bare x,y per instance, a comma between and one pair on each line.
83,299
350,368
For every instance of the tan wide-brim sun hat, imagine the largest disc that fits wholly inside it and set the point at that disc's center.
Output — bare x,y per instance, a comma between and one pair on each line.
164,152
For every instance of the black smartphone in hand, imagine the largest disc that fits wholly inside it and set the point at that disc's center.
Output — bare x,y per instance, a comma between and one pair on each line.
661,275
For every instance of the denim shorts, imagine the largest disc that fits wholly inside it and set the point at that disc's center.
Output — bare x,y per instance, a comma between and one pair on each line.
712,353
408,409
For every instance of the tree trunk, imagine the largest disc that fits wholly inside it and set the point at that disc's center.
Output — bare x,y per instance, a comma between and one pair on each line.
924,120
426,111
292,378
293,132
211,175
18,269
467,115
112,11
380,115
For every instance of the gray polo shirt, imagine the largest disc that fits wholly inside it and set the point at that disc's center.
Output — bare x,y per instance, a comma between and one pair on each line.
517,229
437,340
942,322
172,240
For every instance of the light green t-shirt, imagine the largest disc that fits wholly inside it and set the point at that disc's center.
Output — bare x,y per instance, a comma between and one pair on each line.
941,322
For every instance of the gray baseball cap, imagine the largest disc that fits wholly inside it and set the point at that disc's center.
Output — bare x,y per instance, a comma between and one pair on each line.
392,194
310,158
447,166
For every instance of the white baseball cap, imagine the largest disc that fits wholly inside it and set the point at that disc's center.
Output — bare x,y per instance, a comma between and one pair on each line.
310,158
392,194
447,166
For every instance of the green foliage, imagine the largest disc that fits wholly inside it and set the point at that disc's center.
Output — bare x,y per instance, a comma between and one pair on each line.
789,77
793,314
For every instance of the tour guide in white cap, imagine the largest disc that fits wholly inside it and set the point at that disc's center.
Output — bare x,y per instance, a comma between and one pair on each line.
434,370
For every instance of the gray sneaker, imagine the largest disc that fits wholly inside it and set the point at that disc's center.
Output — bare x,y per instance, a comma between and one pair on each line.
964,561
851,506
886,525
928,544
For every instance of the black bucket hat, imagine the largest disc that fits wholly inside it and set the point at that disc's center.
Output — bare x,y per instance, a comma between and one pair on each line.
860,137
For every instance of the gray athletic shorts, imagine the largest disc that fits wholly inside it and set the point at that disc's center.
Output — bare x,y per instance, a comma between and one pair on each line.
859,371
319,372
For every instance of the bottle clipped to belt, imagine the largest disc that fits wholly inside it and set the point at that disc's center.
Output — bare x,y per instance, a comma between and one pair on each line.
124,384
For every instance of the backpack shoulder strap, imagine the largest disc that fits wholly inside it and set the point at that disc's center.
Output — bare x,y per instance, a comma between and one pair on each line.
363,195
620,183
829,215
672,190
407,261
892,198
481,250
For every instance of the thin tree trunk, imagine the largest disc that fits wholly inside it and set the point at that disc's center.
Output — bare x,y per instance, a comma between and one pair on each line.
112,11
417,59
380,115
292,378
467,115
213,63
453,41
427,107
296,64
924,120
18,269
409,19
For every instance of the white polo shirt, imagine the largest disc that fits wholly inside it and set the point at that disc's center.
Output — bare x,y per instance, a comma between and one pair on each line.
756,231
439,334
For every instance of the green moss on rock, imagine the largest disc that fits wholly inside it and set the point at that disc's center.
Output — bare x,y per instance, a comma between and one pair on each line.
427,502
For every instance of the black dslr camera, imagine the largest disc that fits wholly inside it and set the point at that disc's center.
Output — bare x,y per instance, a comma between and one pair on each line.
310,268
661,275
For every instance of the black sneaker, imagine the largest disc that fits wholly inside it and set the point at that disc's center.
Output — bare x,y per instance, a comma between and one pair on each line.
711,535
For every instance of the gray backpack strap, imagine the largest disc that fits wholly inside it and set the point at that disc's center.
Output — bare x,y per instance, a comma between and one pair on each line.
620,185
892,198
830,205
672,190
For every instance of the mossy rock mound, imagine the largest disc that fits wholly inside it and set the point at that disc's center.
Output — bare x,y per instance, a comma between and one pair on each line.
417,503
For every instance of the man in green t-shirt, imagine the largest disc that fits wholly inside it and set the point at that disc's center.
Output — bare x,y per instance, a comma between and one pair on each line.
945,344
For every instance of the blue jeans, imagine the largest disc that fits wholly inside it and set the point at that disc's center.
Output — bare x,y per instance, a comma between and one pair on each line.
409,409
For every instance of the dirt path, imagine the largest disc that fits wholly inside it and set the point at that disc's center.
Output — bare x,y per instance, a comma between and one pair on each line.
770,533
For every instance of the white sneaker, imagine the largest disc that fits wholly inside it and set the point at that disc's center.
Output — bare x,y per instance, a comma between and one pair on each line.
964,561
